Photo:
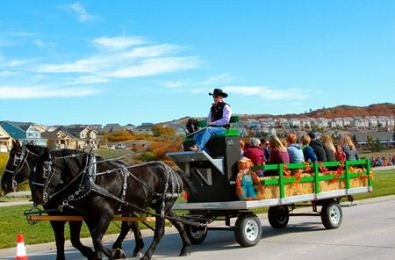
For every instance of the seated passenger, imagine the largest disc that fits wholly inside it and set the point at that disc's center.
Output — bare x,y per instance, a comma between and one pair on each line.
318,148
349,148
265,148
278,153
294,150
329,148
218,121
308,151
255,154
340,155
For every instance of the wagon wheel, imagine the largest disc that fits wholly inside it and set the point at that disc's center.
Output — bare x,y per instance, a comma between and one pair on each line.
196,234
248,230
278,216
331,215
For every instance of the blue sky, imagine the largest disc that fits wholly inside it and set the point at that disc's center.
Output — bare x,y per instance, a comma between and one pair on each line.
64,62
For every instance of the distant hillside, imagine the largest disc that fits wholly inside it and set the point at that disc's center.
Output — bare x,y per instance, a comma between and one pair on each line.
383,109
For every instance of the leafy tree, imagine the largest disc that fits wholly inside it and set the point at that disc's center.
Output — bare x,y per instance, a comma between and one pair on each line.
159,130
378,145
371,145
120,135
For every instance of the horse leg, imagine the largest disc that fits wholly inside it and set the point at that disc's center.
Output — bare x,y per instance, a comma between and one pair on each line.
75,230
159,231
98,226
58,229
138,238
186,243
117,246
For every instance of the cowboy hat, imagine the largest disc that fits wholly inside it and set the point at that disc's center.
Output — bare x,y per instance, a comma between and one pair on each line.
218,92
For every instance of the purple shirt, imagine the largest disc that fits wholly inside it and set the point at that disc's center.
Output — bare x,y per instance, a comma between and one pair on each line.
227,113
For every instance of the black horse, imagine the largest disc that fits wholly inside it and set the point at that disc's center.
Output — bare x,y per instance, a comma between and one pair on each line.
99,189
20,167
38,179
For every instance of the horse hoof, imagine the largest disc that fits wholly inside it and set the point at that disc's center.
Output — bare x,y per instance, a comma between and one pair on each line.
185,251
145,258
118,253
138,254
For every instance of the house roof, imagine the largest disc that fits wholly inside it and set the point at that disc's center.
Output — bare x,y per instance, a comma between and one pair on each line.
382,136
21,125
54,134
73,130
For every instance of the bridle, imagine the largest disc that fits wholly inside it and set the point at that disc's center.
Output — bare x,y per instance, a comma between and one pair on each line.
20,159
48,173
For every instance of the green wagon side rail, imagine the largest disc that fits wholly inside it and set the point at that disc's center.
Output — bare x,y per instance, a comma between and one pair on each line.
338,171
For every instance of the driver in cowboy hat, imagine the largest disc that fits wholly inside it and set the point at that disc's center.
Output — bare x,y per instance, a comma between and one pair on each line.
218,120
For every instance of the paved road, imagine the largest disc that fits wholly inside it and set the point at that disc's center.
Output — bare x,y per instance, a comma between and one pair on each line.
367,232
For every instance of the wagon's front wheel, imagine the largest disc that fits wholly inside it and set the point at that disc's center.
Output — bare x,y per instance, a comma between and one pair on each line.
248,230
331,215
196,234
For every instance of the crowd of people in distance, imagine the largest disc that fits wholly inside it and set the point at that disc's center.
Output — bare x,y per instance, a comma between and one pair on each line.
380,161
308,148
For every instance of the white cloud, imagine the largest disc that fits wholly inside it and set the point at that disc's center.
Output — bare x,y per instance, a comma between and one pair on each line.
91,64
116,58
7,92
79,10
14,63
7,73
174,84
151,51
84,80
269,94
218,79
119,42
39,43
210,81
156,66
126,63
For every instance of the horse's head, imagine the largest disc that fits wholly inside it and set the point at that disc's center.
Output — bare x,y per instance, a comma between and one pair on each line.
20,163
52,172
39,178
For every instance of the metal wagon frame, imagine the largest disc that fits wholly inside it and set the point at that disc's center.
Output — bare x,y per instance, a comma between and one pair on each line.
247,228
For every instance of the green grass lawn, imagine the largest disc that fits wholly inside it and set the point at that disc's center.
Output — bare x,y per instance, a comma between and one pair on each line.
12,220
383,185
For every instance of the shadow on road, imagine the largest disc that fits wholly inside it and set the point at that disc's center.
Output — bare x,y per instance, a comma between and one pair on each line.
171,244
302,227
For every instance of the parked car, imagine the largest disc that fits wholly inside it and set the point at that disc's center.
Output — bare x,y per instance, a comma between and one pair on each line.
120,146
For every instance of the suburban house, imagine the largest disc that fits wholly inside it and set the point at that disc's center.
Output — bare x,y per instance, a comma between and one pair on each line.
294,122
23,132
306,122
60,139
117,127
347,121
5,141
360,122
71,138
144,128
86,136
385,138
